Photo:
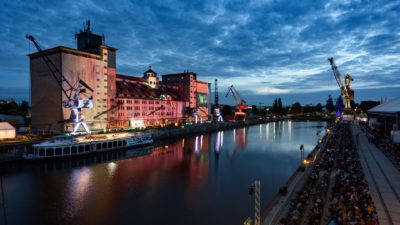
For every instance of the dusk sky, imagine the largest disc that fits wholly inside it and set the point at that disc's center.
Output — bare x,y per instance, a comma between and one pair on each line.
265,48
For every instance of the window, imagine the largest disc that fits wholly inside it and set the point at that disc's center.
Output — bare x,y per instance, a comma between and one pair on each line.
136,101
109,144
144,102
67,150
50,152
41,152
87,148
98,146
74,149
115,144
119,143
104,145
58,151
80,148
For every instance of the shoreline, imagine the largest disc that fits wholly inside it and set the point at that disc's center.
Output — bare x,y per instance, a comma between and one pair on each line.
10,152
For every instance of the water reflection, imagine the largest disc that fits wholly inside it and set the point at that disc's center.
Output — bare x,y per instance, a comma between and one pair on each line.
188,181
78,187
111,167
219,141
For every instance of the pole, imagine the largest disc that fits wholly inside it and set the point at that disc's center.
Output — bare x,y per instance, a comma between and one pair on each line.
3,200
257,202
301,154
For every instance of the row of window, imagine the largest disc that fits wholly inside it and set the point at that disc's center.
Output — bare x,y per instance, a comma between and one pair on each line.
79,149
129,101
143,108
136,114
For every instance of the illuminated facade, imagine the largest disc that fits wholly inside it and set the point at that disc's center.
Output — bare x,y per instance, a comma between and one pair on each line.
120,101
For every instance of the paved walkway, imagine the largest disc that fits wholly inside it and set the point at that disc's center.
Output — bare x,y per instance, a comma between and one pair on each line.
383,179
281,206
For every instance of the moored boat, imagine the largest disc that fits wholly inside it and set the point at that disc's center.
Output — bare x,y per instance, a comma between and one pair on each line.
86,144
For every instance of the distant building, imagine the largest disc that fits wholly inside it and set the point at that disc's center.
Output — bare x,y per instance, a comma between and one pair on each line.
7,131
119,100
195,93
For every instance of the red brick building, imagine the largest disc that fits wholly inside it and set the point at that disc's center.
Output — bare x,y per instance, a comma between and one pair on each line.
119,100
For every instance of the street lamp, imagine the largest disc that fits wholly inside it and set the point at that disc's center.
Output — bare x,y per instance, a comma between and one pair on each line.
301,154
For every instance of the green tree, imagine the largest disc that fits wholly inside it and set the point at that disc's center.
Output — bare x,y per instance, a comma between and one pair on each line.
330,107
296,108
280,107
10,108
319,108
254,109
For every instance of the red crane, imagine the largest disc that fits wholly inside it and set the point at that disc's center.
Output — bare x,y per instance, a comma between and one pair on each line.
241,104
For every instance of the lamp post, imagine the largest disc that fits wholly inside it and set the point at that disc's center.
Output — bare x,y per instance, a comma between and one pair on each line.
301,154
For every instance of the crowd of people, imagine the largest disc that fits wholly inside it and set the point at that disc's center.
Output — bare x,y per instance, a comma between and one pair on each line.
350,202
336,192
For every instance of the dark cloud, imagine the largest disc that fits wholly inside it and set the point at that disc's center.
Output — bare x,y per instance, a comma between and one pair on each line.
265,48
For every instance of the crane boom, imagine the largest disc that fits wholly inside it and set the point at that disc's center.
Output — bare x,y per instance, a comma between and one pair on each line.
74,103
240,102
336,73
344,86
53,69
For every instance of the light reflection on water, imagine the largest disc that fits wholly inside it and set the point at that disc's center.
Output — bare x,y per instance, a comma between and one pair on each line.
198,180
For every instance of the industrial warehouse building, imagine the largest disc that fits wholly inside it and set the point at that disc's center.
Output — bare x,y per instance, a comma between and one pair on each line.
120,101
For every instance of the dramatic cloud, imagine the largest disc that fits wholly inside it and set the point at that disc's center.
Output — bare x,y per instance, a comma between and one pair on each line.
266,48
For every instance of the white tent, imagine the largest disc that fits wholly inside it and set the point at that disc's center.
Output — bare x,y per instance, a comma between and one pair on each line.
6,131
389,107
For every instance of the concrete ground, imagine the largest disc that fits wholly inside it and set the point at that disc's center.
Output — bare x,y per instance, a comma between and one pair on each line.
383,179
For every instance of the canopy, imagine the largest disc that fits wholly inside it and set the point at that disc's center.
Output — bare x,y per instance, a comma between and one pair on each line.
392,106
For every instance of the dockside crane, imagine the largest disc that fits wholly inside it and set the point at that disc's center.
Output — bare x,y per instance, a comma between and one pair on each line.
72,92
345,85
241,104
217,112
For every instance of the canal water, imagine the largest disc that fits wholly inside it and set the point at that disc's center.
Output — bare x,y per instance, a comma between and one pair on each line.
203,179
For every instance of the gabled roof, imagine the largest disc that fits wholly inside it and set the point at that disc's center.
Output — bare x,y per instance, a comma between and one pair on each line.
142,91
127,77
6,126
392,106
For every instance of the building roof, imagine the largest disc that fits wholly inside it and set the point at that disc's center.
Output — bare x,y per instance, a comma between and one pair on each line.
127,77
65,50
150,71
390,107
6,126
143,91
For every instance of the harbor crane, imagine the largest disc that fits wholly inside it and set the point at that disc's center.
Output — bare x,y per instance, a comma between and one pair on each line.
241,104
72,92
217,113
344,85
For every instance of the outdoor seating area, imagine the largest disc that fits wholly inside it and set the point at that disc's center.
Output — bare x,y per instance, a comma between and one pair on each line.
336,192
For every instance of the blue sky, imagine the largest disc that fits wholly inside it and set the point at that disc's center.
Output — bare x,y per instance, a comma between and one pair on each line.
265,48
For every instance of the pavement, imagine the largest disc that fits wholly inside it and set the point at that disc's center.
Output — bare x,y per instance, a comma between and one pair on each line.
383,179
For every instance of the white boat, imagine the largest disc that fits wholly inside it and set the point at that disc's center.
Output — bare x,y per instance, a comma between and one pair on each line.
86,144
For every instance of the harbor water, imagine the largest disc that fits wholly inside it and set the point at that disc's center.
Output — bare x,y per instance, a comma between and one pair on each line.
202,179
